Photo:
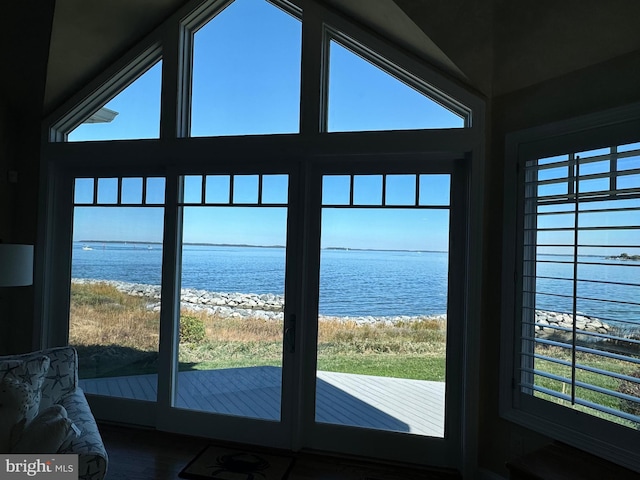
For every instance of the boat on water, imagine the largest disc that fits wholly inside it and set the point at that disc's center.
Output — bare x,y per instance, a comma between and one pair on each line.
87,247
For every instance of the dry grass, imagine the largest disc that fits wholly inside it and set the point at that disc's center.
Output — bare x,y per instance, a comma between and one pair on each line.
110,327
231,341
240,329
100,315
424,337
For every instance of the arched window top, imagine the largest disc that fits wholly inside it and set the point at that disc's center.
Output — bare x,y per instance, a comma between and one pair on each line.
364,96
134,113
246,71
239,71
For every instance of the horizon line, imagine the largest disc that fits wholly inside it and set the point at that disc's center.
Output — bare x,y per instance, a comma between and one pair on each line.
247,245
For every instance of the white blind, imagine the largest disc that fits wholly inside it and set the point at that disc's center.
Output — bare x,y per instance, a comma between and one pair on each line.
580,341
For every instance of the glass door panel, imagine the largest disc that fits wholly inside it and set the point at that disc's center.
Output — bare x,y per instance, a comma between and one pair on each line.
230,352
116,270
382,321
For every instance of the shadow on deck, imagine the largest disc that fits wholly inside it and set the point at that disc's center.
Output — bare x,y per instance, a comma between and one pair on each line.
381,403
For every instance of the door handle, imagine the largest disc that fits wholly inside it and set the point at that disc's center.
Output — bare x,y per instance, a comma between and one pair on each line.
290,335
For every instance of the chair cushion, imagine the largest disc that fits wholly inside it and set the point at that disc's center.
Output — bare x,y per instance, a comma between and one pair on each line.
17,404
46,433
61,379
31,372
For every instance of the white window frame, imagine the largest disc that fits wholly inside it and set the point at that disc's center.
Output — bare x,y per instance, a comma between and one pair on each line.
598,436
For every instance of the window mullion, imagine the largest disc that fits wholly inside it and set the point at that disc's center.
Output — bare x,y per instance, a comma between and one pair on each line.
613,168
529,268
576,217
170,291
176,82
313,91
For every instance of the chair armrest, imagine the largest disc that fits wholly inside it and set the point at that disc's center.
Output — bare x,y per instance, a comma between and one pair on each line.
93,458
62,378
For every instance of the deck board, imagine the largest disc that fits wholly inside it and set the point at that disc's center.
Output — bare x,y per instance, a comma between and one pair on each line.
419,404
403,405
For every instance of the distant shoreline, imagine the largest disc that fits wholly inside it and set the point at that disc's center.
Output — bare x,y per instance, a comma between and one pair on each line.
624,256
197,244
383,250
245,245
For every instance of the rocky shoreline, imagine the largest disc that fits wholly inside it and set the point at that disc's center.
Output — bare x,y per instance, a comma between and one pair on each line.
548,323
267,306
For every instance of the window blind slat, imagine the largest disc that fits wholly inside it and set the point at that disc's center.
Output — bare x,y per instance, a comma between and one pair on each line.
586,386
584,403
585,368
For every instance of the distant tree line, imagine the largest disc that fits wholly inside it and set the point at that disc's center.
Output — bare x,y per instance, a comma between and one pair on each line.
625,256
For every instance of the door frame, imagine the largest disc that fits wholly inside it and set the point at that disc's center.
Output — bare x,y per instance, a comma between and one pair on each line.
393,446
326,156
229,428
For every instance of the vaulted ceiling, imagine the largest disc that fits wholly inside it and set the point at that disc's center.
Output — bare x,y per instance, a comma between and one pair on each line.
493,46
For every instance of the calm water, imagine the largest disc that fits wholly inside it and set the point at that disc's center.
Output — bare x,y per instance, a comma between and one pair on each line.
593,297
352,282
359,282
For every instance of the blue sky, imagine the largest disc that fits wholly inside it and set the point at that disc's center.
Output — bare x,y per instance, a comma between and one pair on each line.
246,80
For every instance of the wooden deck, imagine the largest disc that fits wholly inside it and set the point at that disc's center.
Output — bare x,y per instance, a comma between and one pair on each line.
394,404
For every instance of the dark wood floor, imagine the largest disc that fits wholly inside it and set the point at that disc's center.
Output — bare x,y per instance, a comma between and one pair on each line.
140,454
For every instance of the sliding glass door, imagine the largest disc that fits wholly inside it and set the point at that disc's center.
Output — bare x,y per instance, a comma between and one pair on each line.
382,336
232,302
116,266
229,262
299,306
382,323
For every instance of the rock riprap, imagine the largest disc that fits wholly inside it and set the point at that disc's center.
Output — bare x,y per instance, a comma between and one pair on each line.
267,306
548,323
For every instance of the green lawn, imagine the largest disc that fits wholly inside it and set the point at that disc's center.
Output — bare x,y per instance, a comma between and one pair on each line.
415,368
399,366
116,335
591,378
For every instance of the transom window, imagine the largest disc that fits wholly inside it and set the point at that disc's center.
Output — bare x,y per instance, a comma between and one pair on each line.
242,75
134,113
255,189
246,71
389,190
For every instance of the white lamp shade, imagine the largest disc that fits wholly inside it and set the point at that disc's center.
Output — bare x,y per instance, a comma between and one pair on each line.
16,265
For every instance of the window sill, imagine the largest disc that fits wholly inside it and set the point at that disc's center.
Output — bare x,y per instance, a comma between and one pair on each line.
558,461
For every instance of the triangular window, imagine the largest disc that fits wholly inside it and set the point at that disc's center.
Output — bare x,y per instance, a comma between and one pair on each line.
132,114
246,72
363,97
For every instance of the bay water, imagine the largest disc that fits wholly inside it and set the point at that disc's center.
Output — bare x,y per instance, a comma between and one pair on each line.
352,282
360,282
